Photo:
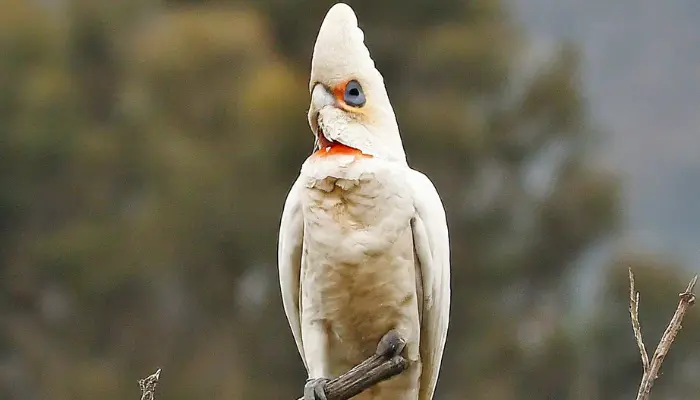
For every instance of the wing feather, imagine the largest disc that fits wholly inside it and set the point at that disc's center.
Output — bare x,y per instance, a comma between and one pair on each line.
289,250
432,248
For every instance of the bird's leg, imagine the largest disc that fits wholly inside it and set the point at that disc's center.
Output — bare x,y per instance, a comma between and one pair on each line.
391,344
315,339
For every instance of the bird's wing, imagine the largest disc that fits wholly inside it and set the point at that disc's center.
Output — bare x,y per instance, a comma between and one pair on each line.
432,248
289,249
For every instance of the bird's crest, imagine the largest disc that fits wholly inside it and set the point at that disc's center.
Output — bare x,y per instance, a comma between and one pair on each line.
340,52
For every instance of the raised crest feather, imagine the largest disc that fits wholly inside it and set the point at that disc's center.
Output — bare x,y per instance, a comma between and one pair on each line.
340,51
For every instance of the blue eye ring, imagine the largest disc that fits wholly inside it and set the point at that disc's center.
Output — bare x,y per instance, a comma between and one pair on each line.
354,96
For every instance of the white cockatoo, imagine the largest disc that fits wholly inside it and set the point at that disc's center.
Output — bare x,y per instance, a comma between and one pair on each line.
363,243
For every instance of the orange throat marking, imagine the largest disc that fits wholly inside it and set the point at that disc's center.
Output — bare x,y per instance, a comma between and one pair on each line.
328,148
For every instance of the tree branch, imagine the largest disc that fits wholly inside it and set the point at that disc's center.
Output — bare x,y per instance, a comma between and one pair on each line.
373,370
651,369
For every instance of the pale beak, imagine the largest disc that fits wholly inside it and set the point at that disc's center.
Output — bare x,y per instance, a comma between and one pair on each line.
320,97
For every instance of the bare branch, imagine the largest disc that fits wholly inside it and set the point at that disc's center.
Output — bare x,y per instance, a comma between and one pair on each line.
365,375
148,386
634,313
385,363
651,370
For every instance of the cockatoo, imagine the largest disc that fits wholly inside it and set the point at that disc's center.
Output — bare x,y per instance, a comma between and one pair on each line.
363,243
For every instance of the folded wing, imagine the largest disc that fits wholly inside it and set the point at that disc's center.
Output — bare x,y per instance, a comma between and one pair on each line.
289,248
432,248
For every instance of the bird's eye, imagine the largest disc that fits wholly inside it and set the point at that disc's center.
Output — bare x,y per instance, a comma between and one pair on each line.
354,96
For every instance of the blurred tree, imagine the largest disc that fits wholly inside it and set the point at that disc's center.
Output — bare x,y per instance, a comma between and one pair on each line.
146,152
128,214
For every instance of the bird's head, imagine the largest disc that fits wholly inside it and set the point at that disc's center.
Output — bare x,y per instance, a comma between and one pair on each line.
350,109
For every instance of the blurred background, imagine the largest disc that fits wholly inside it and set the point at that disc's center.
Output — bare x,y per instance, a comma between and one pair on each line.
146,149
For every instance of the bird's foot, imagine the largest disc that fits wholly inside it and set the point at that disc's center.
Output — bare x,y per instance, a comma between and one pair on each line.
315,389
391,344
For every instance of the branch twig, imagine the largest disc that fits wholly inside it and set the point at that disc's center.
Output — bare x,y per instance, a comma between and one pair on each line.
634,313
148,386
652,368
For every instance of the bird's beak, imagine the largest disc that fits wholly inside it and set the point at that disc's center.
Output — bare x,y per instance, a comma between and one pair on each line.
320,97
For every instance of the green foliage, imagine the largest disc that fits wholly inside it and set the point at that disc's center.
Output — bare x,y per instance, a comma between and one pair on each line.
146,152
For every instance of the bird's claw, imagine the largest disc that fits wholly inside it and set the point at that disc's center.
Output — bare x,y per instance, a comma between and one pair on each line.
315,389
391,344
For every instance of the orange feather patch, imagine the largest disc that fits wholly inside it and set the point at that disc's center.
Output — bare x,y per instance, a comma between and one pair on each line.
328,148
339,91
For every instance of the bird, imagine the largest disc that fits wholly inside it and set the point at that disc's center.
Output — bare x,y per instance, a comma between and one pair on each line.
363,246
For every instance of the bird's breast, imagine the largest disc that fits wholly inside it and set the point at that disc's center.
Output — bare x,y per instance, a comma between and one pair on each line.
351,218
358,270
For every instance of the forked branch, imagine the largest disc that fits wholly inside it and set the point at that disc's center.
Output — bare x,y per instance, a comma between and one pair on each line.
652,367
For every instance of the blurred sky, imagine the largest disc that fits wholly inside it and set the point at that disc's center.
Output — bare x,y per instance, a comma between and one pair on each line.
641,71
